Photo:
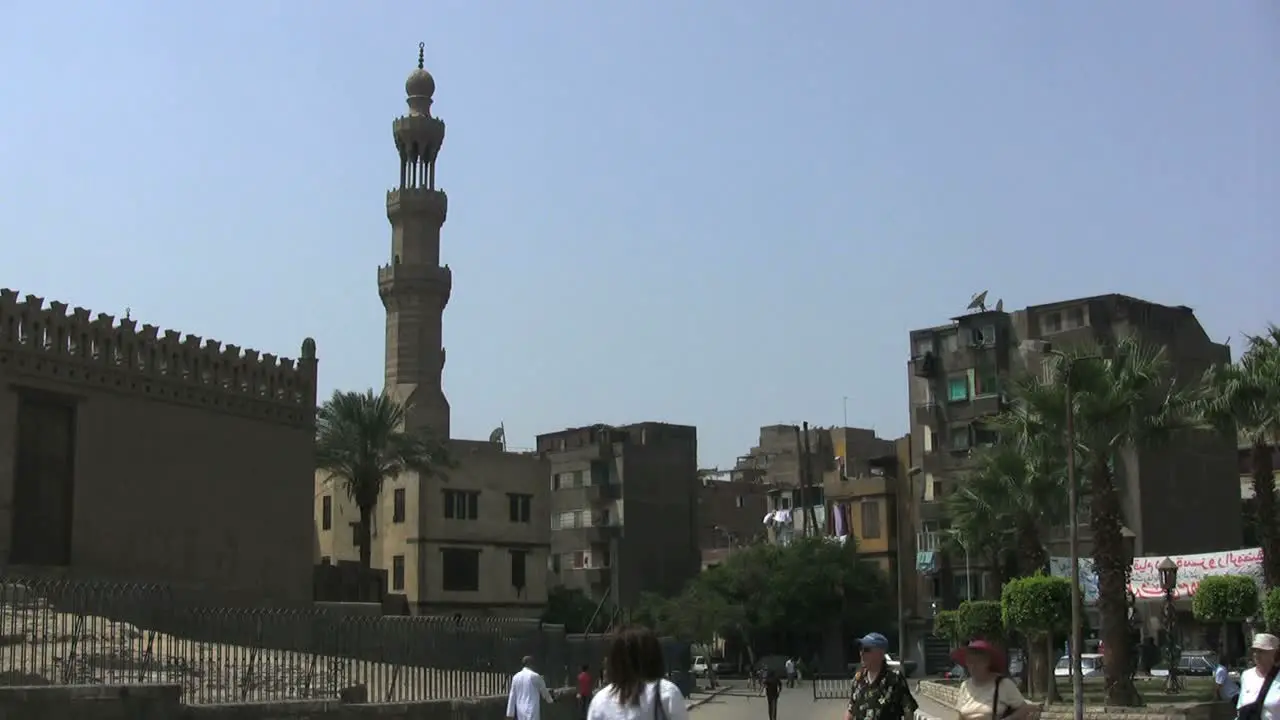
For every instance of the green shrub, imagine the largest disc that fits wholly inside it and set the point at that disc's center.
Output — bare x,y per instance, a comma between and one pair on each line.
1225,598
1271,610
1037,604
979,619
946,625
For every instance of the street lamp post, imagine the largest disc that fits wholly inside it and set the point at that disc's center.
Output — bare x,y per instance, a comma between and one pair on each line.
1169,583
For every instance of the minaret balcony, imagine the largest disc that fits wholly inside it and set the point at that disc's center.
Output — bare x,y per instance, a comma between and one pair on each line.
421,133
418,201
414,281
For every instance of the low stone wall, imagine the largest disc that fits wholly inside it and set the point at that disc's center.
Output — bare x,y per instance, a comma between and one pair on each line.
164,702
945,694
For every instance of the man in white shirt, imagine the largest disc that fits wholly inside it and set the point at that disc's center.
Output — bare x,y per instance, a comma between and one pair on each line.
527,690
791,672
1259,693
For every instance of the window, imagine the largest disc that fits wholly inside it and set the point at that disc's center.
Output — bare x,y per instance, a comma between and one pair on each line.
461,504
957,389
737,502
1075,318
355,535
870,519
983,436
518,559
397,572
985,381
984,336
580,559
950,342
326,512
923,344
397,506
567,520
1050,323
553,563
326,560
459,570
520,507
959,437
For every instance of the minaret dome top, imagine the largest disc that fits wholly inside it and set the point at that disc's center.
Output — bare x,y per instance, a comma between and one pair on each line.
420,83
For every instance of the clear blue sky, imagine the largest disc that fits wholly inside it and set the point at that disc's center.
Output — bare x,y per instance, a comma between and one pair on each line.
658,208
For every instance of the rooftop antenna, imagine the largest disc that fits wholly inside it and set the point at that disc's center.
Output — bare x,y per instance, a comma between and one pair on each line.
979,302
1000,305
128,313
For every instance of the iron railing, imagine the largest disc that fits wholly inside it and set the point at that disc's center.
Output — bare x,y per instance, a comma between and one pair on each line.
58,631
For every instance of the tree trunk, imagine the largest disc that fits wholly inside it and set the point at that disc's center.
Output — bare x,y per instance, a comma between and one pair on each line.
1264,493
1032,557
364,537
1110,559
1051,693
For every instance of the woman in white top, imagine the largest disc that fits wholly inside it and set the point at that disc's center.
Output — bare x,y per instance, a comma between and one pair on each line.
1251,681
636,690
987,694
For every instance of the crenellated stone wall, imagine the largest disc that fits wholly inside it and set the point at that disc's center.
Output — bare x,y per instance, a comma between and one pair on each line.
184,460
99,352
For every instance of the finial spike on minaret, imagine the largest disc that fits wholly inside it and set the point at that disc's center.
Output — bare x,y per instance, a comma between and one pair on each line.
421,49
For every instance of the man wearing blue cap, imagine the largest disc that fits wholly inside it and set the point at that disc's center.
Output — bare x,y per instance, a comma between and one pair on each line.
878,692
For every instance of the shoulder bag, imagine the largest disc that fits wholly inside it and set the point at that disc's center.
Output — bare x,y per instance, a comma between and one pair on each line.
659,712
995,702
1253,710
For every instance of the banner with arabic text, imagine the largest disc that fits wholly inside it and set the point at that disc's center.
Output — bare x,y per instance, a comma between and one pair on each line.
1145,577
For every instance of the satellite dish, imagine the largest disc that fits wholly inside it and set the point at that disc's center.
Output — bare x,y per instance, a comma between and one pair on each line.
499,435
979,302
1000,305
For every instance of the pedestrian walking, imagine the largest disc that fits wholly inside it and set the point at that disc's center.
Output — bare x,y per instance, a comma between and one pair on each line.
586,686
879,692
637,689
527,689
772,685
791,673
987,692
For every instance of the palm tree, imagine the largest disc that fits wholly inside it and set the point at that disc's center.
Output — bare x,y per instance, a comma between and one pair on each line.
1124,399
361,442
1244,398
1018,485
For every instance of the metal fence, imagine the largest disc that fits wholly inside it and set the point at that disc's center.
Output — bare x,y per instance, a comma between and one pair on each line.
57,631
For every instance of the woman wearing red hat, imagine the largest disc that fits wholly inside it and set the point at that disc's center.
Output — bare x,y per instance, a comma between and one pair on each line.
987,694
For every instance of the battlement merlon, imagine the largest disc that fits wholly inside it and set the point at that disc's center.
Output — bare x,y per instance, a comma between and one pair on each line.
28,326
423,202
418,137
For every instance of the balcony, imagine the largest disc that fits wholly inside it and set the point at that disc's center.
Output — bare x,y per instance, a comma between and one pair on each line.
602,492
933,510
596,451
585,535
925,366
928,414
929,541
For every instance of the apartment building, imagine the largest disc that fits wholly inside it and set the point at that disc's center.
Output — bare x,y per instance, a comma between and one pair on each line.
624,504
1176,498
732,505
779,461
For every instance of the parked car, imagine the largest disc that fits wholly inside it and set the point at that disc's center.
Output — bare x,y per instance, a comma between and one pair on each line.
1197,663
1090,666
723,667
906,667
957,672
700,666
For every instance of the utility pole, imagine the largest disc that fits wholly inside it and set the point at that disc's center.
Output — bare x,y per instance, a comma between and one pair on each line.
809,514
802,474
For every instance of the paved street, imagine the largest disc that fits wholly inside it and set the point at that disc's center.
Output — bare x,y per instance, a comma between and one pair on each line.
795,704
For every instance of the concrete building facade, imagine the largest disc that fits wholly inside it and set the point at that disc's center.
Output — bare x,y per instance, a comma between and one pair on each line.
1178,499
624,504
731,510
132,454
475,539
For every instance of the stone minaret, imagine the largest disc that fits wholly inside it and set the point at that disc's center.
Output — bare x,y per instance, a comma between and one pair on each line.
415,287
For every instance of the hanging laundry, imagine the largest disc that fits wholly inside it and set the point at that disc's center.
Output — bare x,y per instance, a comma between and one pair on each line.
841,527
782,516
768,518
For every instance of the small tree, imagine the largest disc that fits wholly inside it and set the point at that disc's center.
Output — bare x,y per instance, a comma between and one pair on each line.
1271,611
946,624
1038,607
980,619
1223,599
